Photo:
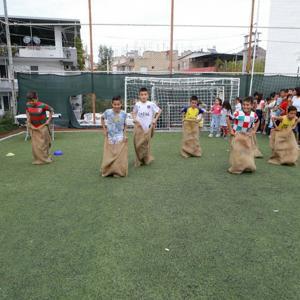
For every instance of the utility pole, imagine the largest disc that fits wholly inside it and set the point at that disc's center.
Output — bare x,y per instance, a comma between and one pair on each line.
250,38
11,73
92,62
171,38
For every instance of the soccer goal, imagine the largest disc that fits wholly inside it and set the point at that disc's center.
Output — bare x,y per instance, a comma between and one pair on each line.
172,94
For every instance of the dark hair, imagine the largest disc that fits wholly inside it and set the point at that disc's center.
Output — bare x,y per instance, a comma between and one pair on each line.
220,100
259,97
116,98
248,99
284,90
297,89
292,108
227,105
143,89
272,95
32,95
255,94
194,98
238,99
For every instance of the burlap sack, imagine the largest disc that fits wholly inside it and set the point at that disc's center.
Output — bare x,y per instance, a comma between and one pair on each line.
41,143
257,152
284,147
190,139
141,141
241,154
115,159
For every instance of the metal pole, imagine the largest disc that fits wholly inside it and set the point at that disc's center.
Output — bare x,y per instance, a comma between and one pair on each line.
92,62
171,38
11,75
250,38
255,48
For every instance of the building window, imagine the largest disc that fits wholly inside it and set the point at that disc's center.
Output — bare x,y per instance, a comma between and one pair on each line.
6,103
3,73
34,69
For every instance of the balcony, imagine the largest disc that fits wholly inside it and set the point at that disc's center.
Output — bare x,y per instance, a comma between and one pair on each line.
6,86
64,54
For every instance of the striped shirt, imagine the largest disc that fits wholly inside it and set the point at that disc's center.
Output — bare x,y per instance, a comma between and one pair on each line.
37,111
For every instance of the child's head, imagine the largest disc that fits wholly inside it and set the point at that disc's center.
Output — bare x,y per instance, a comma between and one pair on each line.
143,94
116,103
292,112
32,95
218,101
289,97
291,91
226,105
247,105
273,96
194,101
283,93
237,100
297,91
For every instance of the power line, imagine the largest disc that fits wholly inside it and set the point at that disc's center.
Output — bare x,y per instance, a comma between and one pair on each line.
153,25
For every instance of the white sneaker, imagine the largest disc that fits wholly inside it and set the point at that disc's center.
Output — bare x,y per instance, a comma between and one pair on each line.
218,135
211,135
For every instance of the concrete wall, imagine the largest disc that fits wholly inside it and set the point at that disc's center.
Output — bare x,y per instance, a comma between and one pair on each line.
44,66
283,57
155,61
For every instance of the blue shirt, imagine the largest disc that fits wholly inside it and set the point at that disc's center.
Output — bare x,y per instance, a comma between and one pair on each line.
115,123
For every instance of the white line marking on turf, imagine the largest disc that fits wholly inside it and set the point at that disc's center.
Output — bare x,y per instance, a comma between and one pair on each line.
10,136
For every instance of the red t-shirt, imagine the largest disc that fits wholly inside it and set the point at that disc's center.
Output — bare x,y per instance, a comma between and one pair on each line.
284,105
37,111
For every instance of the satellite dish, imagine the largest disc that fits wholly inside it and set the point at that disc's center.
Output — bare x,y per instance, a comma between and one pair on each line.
27,39
36,40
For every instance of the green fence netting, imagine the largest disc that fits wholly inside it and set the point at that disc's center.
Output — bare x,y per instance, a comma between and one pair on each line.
56,90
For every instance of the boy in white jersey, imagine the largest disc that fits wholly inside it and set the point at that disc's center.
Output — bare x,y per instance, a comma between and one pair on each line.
145,115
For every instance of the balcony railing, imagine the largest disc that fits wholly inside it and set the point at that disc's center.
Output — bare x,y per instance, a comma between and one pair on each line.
6,85
41,52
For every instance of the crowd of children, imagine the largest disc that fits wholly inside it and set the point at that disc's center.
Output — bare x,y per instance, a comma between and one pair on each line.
277,116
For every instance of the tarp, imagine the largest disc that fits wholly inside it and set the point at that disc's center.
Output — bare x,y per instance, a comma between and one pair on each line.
56,90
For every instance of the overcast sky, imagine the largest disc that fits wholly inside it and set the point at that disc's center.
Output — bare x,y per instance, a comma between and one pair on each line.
216,12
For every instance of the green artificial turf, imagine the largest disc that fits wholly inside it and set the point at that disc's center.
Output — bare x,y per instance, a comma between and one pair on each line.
67,233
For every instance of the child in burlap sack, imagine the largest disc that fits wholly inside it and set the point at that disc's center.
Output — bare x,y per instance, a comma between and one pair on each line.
115,152
190,133
145,115
283,141
38,125
245,124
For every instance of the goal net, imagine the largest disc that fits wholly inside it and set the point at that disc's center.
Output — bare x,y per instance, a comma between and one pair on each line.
172,94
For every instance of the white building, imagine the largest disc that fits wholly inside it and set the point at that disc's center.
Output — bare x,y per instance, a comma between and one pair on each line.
37,49
283,51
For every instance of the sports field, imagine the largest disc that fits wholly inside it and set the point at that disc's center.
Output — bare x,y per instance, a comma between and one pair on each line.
179,229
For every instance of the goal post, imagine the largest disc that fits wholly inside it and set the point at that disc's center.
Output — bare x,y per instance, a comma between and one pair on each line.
172,94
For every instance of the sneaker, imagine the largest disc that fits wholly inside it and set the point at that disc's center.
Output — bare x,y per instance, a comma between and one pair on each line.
218,135
211,135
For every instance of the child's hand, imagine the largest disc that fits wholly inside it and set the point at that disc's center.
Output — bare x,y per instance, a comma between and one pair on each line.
154,123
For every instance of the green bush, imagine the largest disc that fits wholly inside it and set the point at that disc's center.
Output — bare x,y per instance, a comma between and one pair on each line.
7,123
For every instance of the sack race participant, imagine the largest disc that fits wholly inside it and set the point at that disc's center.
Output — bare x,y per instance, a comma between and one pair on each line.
115,151
145,115
190,138
37,123
283,141
245,124
257,152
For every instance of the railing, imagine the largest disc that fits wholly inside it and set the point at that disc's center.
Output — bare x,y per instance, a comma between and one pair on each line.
41,52
6,85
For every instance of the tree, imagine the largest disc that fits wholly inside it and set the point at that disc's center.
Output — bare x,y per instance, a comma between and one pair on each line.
105,55
80,53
